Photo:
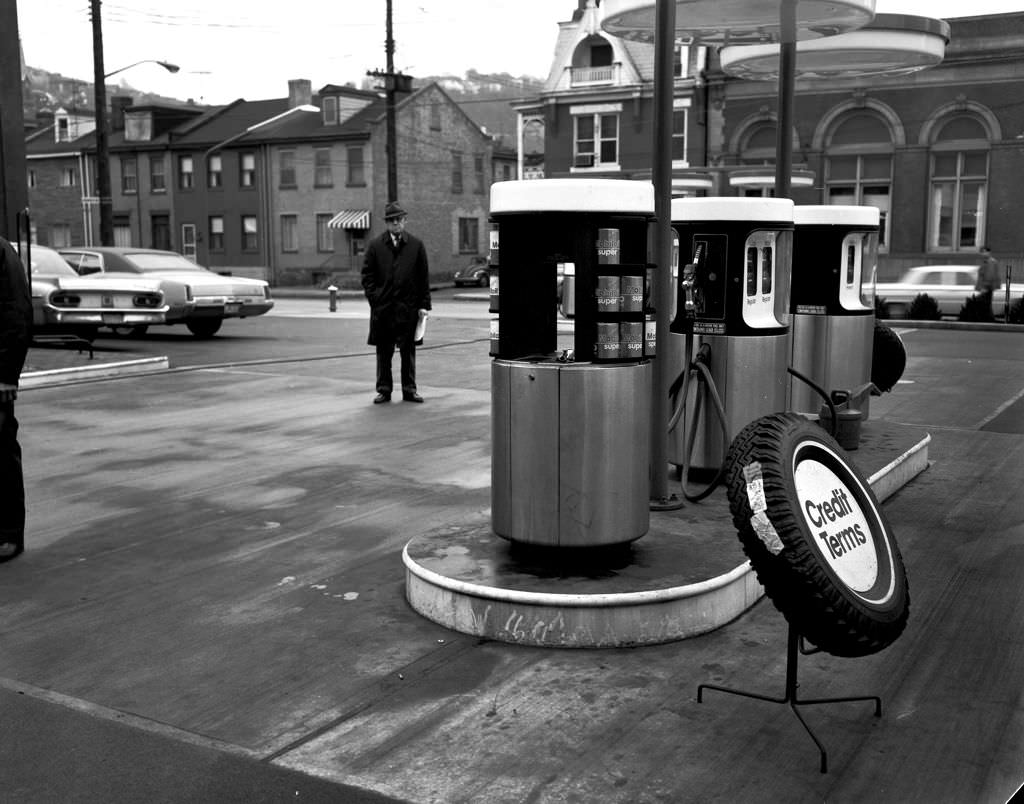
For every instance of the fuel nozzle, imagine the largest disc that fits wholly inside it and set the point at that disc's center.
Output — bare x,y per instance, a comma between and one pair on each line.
689,281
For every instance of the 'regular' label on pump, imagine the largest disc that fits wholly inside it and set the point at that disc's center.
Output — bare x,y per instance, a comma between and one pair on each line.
839,528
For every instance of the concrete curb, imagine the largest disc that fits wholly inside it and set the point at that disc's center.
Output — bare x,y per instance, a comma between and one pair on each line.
64,376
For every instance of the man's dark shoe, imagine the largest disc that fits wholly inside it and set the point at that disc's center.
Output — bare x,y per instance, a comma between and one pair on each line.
412,397
381,398
9,550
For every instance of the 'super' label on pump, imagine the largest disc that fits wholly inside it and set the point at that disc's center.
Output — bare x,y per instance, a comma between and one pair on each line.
840,529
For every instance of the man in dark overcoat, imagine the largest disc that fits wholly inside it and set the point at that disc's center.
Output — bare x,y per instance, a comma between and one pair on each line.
15,337
397,286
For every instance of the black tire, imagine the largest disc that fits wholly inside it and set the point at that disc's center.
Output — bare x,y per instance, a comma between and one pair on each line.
888,358
846,608
204,327
484,280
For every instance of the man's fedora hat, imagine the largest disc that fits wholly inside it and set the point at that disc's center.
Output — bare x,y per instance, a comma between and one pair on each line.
394,210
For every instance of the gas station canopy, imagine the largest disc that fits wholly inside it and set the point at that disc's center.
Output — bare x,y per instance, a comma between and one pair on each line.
892,44
733,22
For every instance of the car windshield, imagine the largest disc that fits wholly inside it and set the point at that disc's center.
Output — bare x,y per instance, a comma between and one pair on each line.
161,262
49,262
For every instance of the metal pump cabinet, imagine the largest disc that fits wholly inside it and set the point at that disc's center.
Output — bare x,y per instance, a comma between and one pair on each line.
732,294
835,255
571,428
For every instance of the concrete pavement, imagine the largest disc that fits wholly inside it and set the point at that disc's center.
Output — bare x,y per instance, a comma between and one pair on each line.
212,605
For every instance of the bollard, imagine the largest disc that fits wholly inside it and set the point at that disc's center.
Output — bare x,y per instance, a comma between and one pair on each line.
333,295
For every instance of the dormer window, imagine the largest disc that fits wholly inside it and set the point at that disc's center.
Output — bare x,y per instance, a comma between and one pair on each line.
62,129
593,62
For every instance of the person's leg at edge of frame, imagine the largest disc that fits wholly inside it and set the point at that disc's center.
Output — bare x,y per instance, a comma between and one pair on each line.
12,481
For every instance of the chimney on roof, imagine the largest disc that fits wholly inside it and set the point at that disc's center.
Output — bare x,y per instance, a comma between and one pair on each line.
118,103
300,92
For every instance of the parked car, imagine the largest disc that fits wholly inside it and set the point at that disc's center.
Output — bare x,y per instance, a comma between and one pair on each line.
476,274
210,297
65,303
949,285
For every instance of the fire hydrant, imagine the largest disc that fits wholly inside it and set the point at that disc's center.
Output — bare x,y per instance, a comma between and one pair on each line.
333,296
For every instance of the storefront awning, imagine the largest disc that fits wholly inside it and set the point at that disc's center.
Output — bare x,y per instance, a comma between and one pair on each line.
350,219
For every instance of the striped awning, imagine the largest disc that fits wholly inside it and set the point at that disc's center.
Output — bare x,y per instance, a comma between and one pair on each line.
350,219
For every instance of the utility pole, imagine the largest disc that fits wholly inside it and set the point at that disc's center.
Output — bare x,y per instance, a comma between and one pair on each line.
392,151
102,148
393,83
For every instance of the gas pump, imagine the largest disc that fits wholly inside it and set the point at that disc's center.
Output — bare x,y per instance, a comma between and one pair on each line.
571,427
731,323
835,255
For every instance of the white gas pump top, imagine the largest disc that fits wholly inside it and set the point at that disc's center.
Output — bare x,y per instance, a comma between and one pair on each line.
838,215
771,210
892,44
736,21
573,195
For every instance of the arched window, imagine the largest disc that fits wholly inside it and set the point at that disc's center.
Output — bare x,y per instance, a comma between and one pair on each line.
758,148
858,166
959,185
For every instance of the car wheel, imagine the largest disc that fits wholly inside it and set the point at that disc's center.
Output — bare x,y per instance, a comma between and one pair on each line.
816,537
204,327
128,331
484,280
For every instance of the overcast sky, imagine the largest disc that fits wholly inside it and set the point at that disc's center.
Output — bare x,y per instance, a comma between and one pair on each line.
229,49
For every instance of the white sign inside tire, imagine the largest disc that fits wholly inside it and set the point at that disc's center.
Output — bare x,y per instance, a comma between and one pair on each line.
842,533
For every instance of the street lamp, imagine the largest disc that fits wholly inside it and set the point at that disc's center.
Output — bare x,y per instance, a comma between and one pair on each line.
171,68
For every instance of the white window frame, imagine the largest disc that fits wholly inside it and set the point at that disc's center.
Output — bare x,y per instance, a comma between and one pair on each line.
681,105
324,234
288,177
215,172
596,111
247,169
958,182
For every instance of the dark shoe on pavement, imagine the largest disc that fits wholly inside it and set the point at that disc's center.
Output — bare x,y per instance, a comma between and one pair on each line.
412,397
9,550
381,398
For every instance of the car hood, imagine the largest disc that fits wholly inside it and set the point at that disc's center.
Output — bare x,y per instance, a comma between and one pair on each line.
109,283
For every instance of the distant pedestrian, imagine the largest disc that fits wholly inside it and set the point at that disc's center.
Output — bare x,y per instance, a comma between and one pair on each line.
988,278
396,281
15,336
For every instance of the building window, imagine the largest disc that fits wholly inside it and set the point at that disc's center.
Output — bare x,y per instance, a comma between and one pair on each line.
469,236
289,233
215,171
456,171
32,178
157,176
358,244
60,235
959,186
324,235
356,171
478,173
129,175
595,139
681,61
250,233
287,166
680,119
330,111
216,233
62,130
506,172
122,231
323,175
247,170
435,116
68,177
186,178
859,166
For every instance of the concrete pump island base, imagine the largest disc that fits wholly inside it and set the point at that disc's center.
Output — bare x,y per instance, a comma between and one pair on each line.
573,555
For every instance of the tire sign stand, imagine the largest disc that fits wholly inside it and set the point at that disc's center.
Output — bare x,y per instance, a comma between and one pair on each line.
794,647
